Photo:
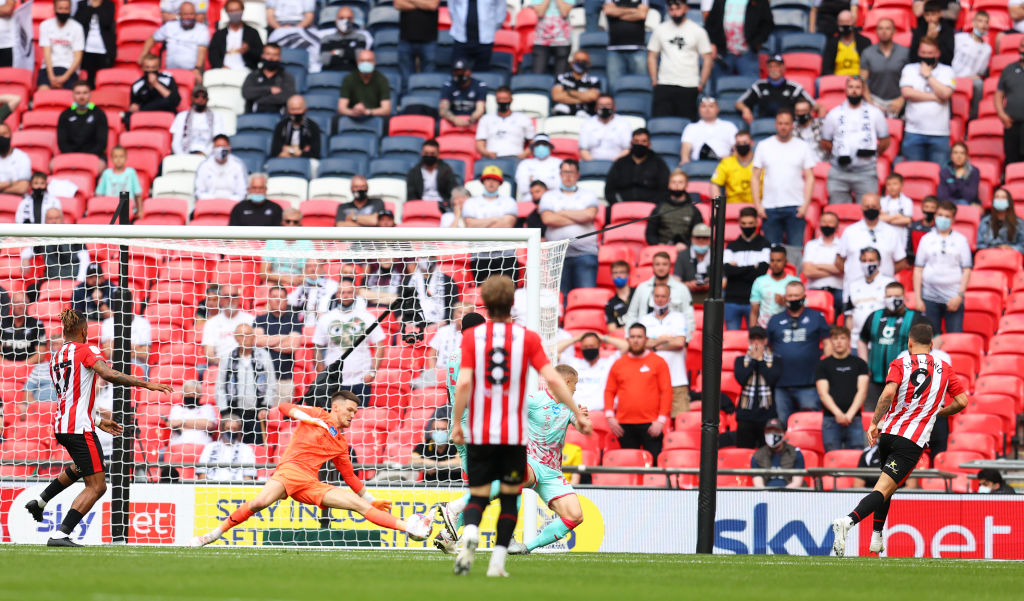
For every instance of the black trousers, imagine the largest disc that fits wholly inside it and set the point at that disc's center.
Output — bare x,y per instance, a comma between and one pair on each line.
674,101
1012,140
6,57
635,436
749,434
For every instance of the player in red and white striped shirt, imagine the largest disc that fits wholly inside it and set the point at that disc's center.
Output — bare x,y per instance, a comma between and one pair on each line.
496,357
73,369
912,399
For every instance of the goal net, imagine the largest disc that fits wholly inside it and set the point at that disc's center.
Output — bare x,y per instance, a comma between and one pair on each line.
237,323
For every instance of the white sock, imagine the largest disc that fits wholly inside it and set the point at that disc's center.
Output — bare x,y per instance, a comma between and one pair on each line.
59,534
457,506
471,532
40,502
498,557
848,521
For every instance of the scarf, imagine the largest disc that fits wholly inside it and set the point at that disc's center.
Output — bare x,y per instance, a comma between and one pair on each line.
304,132
431,295
189,132
854,132
756,393
232,387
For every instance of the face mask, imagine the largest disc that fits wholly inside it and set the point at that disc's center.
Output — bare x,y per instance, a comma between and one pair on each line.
893,303
298,117
504,107
660,309
827,230
700,249
984,489
429,160
568,188
929,215
271,65
343,25
639,150
803,119
257,198
63,17
541,151
871,214
439,436
943,223
490,194
677,194
38,194
188,23
591,354
845,29
360,194
772,439
620,282
5,144
748,231
366,67
678,20
795,305
743,149
854,100
461,80
604,112
931,62
229,437
222,153
234,18
978,33
190,401
199,108
869,268
312,281
1000,204
580,67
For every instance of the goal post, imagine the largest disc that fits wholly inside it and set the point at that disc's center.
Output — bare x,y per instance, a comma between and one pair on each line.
182,279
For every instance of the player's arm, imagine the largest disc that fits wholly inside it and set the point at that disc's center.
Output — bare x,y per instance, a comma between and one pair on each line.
293,411
115,377
959,404
884,402
558,388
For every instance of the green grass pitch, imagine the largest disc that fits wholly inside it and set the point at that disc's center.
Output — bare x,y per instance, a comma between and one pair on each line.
212,574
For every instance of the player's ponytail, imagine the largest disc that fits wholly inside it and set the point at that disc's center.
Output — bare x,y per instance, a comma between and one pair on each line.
72,321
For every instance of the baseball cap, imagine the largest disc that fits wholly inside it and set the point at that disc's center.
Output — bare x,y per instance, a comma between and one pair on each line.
776,58
541,138
460,65
775,425
757,332
93,269
492,172
701,230
386,213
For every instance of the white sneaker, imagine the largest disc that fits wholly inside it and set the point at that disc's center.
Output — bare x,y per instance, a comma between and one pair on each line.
496,573
202,541
839,529
418,526
877,543
464,560
450,519
517,548
445,543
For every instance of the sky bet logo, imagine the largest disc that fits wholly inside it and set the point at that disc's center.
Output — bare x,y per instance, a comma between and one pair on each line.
764,541
149,523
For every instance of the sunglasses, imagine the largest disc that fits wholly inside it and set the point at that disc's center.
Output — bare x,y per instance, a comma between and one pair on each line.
293,221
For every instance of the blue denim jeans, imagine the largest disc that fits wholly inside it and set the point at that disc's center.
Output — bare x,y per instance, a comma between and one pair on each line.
626,62
736,64
790,399
783,223
592,9
919,147
735,313
936,312
579,272
835,437
410,51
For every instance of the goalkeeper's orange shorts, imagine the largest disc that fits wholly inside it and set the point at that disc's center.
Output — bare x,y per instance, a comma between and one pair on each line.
302,487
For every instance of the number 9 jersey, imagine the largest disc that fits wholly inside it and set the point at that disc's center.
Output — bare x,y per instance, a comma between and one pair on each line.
922,383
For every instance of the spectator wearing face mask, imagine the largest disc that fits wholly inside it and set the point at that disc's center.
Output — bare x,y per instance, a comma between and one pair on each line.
219,330
854,133
767,293
436,456
222,175
617,306
866,293
97,20
871,232
819,262
883,335
639,176
247,383
315,294
591,368
279,330
710,138
842,50
692,263
431,178
928,88
362,211
192,421
919,227
745,259
505,133
255,209
365,92
942,268
734,172
185,44
62,42
463,98
428,295
236,46
777,453
296,135
933,25
643,301
193,130
797,335
339,48
1000,228
756,372
156,90
267,89
336,332
605,136
569,212
990,481
808,128
673,220
34,206
227,449
541,166
576,91
667,331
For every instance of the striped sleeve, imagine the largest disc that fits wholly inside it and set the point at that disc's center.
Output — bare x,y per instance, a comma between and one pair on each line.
895,374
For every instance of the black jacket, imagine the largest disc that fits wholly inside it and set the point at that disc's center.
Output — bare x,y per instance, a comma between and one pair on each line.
149,99
740,278
446,182
947,29
677,226
256,91
309,137
83,133
219,44
105,12
628,180
828,59
409,309
757,24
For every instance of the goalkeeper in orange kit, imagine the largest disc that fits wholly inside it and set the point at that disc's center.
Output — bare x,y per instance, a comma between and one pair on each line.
318,439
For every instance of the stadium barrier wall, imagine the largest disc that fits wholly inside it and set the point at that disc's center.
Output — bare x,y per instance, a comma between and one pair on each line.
615,520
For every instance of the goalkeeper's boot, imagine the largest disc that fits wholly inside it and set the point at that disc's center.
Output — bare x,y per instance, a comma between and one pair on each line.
877,543
517,548
839,529
205,539
444,542
451,520
418,526
36,511
62,541
464,560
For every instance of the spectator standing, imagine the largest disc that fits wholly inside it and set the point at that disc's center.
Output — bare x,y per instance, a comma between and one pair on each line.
255,210
825,16
193,130
281,269
767,96
692,263
757,371
219,330
768,292
643,301
155,90
537,191
617,306
552,37
605,136
237,46
638,395
91,297
366,91
506,132
871,232
491,209
340,48
738,31
868,293
883,336
267,89
141,339
919,227
999,226
796,335
640,176
417,36
779,454
185,44
933,25
428,297
627,54
192,421
97,20
462,97
667,331
808,128
734,172
431,178
819,261
1009,101
972,51
942,268
35,205
745,259
63,43
169,10
222,175
673,220
338,330
788,167
959,179
568,213
843,49
15,166
541,166
927,87
315,295
576,90
881,66
119,177
855,133
436,456
842,381
362,211
21,335
228,448
83,126
247,383
709,139
473,27
593,369
283,14
897,207
296,135
7,30
682,46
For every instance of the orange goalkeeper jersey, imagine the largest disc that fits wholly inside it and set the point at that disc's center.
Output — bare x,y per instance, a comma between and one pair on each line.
312,445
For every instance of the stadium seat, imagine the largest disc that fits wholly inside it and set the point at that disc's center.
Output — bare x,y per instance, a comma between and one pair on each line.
623,458
164,211
319,213
632,235
683,439
1011,386
973,441
806,439
578,298
734,458
843,458
809,421
583,320
288,188
411,125
1006,260
334,188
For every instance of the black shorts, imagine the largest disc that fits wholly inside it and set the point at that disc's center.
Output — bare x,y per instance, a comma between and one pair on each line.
487,463
85,451
899,456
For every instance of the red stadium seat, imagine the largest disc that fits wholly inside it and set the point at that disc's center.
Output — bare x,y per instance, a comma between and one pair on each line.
411,125
164,211
1012,386
681,458
806,439
973,441
688,421
843,458
52,99
734,458
17,81
586,320
588,298
920,178
212,211
809,421
319,213
647,254
1008,365
632,235
623,458
629,211
997,281
1006,260
683,439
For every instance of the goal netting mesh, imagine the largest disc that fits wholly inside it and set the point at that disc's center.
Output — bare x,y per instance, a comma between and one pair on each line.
236,327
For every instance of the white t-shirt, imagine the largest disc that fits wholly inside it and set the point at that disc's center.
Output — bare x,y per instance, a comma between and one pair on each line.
6,28
606,141
233,41
481,207
313,299
430,191
719,135
94,39
142,331
557,200
290,12
858,237
222,180
104,402
854,128
928,118
1017,25
446,341
783,164
338,329
898,206
202,128
182,45
816,251
530,170
219,331
970,57
942,259
222,452
866,298
592,380
674,324
63,41
681,47
505,136
15,167
189,435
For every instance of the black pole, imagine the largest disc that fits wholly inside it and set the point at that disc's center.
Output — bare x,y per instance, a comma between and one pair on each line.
711,371
122,461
